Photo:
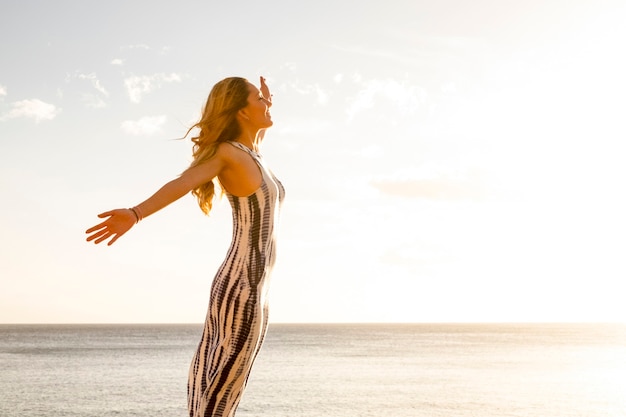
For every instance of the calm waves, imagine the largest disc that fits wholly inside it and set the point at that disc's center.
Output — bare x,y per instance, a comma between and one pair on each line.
410,370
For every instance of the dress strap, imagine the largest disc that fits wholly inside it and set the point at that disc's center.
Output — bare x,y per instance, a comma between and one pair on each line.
244,148
256,156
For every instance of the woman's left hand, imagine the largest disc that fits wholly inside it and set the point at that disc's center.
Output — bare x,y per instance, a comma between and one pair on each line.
117,223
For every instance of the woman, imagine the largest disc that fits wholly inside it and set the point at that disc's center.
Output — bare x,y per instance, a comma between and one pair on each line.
226,149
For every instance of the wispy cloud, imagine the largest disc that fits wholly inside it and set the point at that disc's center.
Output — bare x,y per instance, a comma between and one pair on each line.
137,86
321,95
405,98
148,125
94,99
94,82
31,109
3,91
117,61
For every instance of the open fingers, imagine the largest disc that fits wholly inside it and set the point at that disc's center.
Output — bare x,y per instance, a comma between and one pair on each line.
103,237
113,227
96,227
102,225
97,235
115,237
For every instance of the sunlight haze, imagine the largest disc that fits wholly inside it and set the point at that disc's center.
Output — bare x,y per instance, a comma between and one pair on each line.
449,161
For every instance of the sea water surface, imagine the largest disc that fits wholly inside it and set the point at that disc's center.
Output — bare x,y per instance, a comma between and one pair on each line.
314,370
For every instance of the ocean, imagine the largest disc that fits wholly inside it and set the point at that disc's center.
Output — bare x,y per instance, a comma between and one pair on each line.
330,370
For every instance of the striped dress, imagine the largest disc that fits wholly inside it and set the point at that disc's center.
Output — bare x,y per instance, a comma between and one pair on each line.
236,320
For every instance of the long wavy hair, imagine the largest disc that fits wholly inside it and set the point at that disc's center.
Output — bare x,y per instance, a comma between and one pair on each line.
218,124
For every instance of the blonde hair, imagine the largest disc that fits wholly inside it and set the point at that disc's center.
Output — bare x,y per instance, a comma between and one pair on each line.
218,124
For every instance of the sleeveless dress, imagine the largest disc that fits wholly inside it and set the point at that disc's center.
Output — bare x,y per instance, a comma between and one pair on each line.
236,320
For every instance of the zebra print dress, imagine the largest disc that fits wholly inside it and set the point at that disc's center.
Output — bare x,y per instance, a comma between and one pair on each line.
236,320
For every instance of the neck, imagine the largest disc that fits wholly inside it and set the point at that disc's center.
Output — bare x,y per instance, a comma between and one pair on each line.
251,139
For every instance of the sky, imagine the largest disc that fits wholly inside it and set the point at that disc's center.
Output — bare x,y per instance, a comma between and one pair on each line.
448,161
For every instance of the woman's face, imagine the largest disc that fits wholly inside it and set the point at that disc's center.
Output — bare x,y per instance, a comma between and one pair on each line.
258,109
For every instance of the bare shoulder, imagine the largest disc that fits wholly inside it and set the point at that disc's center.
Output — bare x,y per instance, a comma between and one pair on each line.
240,175
228,153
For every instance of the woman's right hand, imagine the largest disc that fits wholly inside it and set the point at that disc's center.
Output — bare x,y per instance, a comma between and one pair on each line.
119,221
265,90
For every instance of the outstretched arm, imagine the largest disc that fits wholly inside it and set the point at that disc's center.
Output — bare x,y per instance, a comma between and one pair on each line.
120,221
